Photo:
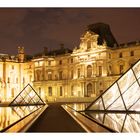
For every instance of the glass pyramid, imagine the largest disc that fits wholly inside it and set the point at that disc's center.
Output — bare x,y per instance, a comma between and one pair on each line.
28,96
120,103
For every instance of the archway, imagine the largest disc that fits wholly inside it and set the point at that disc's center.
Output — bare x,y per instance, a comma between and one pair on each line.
89,90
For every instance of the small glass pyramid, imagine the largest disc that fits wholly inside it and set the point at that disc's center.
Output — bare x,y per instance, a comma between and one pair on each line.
28,96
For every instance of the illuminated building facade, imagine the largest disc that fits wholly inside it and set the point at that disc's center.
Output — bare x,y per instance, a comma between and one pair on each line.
85,72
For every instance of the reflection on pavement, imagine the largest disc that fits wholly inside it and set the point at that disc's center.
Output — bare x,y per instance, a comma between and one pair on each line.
9,115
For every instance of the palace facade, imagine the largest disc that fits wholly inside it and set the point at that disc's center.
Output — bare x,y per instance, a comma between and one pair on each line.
85,72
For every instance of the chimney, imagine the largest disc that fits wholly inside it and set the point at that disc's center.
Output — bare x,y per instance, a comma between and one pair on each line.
21,54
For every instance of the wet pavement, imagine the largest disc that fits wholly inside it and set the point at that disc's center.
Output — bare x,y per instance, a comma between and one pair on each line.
55,119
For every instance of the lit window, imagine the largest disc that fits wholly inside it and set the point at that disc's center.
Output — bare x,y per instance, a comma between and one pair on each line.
23,80
30,78
132,53
49,75
39,91
16,80
36,64
120,55
49,63
8,80
41,63
12,67
50,91
89,90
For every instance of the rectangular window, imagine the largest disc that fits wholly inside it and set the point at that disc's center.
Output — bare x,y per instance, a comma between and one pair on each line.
78,73
12,67
109,56
132,53
60,62
50,91
121,69
72,74
16,80
30,78
39,91
71,60
120,55
60,75
49,75
100,70
49,63
61,91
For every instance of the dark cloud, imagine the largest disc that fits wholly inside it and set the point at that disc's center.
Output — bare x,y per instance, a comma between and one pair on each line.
35,28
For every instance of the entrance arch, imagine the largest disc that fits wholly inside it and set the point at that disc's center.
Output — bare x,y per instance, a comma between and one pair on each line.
89,90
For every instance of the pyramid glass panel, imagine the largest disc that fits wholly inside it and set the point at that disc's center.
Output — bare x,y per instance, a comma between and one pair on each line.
131,95
136,69
114,121
117,105
131,125
126,81
111,95
98,105
136,106
98,116
27,96
136,117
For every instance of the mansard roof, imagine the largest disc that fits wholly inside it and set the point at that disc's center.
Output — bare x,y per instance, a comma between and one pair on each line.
60,51
104,32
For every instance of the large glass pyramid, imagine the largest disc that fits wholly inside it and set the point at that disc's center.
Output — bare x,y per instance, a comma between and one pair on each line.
119,105
28,96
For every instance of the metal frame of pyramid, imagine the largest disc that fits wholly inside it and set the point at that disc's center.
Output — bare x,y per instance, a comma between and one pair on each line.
129,81
28,96
118,107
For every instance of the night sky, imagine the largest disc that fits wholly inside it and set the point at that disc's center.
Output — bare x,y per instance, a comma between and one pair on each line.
35,28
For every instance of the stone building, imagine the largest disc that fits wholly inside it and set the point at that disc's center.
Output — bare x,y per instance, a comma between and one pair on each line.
65,75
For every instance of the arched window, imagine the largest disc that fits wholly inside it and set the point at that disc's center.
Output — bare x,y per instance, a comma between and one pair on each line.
71,74
50,91
38,75
89,71
89,90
